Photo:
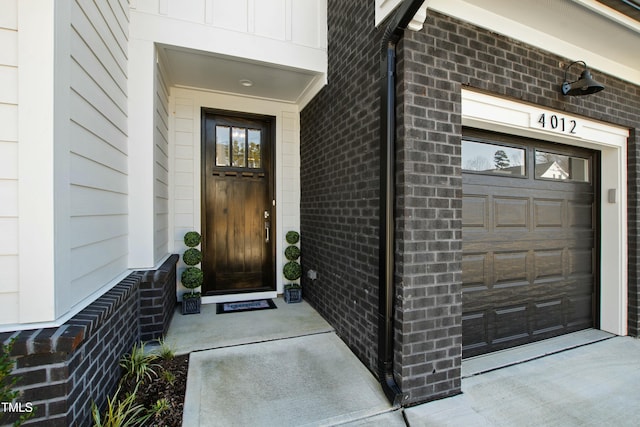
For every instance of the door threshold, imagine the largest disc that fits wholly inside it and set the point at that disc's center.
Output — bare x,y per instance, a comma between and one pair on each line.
238,297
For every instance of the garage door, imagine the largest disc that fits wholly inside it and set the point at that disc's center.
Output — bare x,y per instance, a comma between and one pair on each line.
529,239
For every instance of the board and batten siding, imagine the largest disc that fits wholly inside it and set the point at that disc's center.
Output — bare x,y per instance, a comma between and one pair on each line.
161,163
98,147
301,22
8,161
185,152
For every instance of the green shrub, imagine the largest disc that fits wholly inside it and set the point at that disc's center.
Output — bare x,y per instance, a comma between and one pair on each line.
192,256
292,270
165,351
126,412
192,239
192,277
8,382
292,237
139,365
292,253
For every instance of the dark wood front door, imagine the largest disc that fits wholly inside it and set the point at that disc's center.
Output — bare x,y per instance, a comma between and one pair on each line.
237,203
529,268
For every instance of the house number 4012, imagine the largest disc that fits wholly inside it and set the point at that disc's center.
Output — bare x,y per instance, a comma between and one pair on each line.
557,123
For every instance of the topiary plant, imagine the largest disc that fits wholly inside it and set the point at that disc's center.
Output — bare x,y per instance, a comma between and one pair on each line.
292,270
192,256
292,253
292,237
192,239
192,278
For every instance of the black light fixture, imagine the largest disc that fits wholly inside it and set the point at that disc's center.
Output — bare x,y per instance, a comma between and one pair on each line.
583,86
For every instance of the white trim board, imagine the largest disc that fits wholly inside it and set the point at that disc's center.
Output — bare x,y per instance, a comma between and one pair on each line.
489,112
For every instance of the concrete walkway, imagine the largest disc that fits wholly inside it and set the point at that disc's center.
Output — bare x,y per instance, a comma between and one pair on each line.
286,367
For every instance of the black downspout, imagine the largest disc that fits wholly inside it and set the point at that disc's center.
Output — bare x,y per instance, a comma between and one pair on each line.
392,34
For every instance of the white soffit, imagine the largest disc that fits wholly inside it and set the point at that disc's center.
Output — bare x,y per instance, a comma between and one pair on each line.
189,68
575,29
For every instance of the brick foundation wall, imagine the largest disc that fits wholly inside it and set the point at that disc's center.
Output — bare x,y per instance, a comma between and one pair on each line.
339,173
157,300
62,370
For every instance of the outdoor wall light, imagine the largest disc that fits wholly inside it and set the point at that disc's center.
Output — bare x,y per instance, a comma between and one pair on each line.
583,86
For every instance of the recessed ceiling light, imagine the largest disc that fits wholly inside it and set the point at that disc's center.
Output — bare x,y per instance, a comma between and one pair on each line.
246,82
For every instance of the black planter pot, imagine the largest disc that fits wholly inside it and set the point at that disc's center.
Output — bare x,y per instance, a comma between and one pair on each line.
292,295
191,305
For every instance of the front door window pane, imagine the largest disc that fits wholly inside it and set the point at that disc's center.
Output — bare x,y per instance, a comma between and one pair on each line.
254,157
222,145
239,147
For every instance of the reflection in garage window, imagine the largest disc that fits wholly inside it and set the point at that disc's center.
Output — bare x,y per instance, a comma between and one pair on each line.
492,159
560,167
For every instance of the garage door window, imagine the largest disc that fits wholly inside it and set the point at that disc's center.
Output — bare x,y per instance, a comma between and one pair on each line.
493,159
560,167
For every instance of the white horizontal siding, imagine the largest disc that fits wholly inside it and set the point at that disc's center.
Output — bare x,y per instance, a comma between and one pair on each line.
8,161
161,164
89,145
8,274
10,304
8,155
8,84
89,201
98,164
9,44
86,230
9,14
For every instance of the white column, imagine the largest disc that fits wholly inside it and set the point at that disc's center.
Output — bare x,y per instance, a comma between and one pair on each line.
36,197
141,213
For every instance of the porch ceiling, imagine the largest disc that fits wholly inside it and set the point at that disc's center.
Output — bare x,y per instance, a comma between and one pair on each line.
220,73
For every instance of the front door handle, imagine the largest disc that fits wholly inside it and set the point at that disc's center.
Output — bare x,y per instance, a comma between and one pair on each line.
267,227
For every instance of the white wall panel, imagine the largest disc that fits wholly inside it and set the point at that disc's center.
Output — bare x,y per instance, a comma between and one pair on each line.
9,14
9,233
161,162
8,198
8,47
8,162
8,158
8,122
97,162
8,273
232,15
8,84
270,18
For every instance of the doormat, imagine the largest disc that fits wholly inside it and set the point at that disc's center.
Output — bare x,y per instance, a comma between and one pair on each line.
236,307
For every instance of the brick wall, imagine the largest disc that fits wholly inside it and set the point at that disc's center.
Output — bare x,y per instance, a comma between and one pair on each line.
339,181
339,164
62,370
433,66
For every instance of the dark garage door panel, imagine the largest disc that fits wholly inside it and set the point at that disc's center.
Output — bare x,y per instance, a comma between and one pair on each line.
528,260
